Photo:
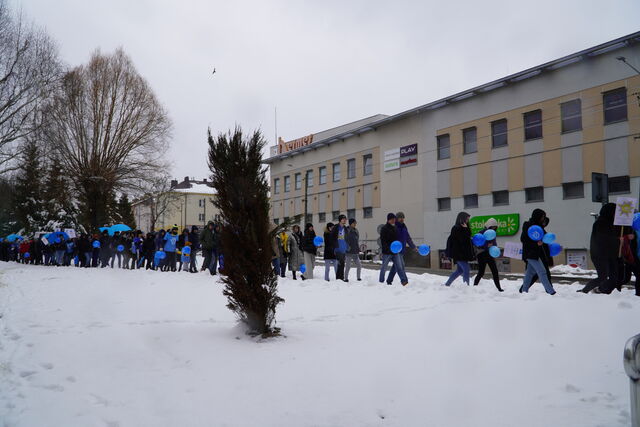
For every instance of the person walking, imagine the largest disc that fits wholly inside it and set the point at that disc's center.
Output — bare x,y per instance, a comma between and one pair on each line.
309,250
296,257
460,249
283,253
485,258
207,243
353,250
389,234
604,246
405,239
339,235
330,245
533,254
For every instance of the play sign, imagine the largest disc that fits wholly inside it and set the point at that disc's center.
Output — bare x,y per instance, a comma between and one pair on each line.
508,224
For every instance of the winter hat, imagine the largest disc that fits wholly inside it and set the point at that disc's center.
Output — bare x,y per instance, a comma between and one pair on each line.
194,228
308,226
341,217
491,222
329,225
400,215
351,220
391,215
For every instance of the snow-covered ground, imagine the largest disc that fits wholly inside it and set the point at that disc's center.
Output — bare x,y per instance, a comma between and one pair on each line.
141,348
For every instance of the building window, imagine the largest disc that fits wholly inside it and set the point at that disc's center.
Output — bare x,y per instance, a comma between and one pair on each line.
351,213
573,190
308,218
287,184
501,198
615,105
619,185
335,215
367,162
298,181
201,217
469,140
351,168
276,221
444,148
533,125
534,194
322,217
276,186
444,204
499,133
336,172
367,212
309,178
322,175
571,113
470,201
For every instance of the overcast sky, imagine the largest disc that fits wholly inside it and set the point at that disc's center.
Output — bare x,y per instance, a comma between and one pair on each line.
322,63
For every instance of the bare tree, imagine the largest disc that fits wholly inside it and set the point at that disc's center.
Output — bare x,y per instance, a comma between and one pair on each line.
29,70
109,129
158,199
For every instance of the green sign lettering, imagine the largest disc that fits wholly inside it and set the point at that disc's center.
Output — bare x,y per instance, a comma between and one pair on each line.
508,224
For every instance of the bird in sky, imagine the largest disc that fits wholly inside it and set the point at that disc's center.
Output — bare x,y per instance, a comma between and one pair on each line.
214,71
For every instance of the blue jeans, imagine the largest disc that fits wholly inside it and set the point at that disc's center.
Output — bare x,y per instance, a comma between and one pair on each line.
462,267
327,267
535,266
59,257
398,267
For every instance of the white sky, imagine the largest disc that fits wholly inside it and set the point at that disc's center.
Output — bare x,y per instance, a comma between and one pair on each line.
321,63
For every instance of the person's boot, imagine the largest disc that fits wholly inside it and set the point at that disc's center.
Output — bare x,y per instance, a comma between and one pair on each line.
294,275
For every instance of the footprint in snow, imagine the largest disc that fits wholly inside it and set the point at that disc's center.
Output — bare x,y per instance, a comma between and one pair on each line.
53,387
26,374
624,305
570,388
48,366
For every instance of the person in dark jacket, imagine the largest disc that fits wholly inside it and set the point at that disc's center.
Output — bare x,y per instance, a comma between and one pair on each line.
208,242
353,251
389,234
84,250
405,240
329,252
604,247
485,258
461,248
533,254
148,251
194,238
309,250
339,235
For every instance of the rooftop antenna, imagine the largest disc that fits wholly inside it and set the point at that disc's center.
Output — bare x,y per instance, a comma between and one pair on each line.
275,115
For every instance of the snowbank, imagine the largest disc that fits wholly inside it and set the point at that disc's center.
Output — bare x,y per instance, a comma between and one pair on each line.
141,348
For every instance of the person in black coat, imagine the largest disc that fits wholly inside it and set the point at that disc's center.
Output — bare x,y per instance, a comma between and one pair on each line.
330,245
309,250
388,235
484,257
533,253
149,250
339,235
546,259
84,250
460,248
604,247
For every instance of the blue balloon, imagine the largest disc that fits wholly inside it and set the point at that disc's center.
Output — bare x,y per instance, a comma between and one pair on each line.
120,248
318,241
479,240
96,243
160,255
555,249
490,234
549,238
424,250
535,233
303,268
494,251
27,255
636,222
56,240
186,250
396,246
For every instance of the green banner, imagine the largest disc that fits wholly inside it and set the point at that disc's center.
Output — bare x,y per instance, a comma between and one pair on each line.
508,224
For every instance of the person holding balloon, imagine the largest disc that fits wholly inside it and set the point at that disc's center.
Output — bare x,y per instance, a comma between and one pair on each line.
330,245
309,251
405,241
486,253
353,250
391,248
533,252
460,249
339,234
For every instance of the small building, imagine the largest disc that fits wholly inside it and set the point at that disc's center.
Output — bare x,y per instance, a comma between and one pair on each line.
184,205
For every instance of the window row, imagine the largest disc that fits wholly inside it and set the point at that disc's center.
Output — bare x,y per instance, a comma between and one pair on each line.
322,216
570,190
614,107
367,169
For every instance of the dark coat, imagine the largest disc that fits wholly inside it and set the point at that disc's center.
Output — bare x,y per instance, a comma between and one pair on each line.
461,246
605,237
388,234
353,241
330,246
194,238
307,242
207,238
530,248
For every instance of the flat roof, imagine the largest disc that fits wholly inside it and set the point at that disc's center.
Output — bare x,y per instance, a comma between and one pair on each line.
556,64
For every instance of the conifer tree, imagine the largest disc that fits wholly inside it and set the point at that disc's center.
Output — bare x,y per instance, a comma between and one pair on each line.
29,206
59,203
125,211
239,179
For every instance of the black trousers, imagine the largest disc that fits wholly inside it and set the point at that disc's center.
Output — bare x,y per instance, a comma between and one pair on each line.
607,280
484,259
340,273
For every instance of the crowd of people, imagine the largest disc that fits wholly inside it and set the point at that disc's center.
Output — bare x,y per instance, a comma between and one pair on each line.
614,251
165,250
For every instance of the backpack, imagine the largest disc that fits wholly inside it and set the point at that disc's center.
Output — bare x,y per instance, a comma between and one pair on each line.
447,250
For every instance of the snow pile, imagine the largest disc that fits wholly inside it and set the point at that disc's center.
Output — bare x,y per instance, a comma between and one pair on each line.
564,269
85,347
